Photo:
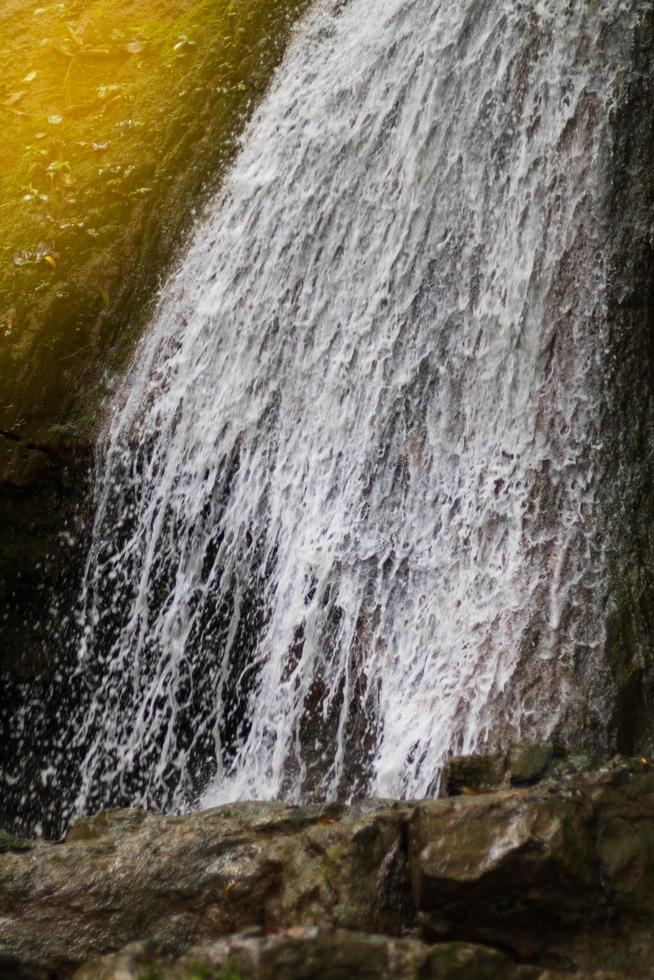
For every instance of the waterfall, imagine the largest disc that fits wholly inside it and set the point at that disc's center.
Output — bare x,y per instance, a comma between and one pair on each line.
346,515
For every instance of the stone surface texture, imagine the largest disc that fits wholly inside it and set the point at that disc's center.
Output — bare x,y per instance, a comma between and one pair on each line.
537,881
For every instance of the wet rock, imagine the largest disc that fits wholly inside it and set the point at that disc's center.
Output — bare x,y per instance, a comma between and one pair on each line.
123,186
12,968
176,881
71,309
10,843
320,954
560,874
572,764
479,773
525,763
626,432
528,762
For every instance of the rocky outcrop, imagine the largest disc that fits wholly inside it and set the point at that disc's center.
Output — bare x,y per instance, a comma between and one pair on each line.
559,874
556,876
330,954
118,122
627,425
524,764
174,881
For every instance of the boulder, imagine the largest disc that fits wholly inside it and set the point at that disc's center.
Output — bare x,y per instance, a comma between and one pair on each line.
560,874
475,773
316,953
175,881
524,764
528,761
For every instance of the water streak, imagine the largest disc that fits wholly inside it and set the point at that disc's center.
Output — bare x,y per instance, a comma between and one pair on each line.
346,516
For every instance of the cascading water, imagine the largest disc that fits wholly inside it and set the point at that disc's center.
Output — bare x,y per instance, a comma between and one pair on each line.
346,514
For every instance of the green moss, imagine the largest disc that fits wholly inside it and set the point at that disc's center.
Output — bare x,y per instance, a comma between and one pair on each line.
150,972
119,116
11,844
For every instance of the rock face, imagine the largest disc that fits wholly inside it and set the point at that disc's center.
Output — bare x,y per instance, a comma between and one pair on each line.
519,882
330,954
475,772
121,128
576,858
128,875
524,764
627,429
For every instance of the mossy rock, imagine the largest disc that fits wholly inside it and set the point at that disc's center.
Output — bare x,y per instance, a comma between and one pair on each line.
119,119
528,762
312,954
122,124
475,773
9,844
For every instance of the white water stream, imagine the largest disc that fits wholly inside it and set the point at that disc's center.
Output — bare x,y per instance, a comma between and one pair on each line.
345,519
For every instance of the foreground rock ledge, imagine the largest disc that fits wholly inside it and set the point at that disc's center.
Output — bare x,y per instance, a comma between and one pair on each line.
331,954
539,881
